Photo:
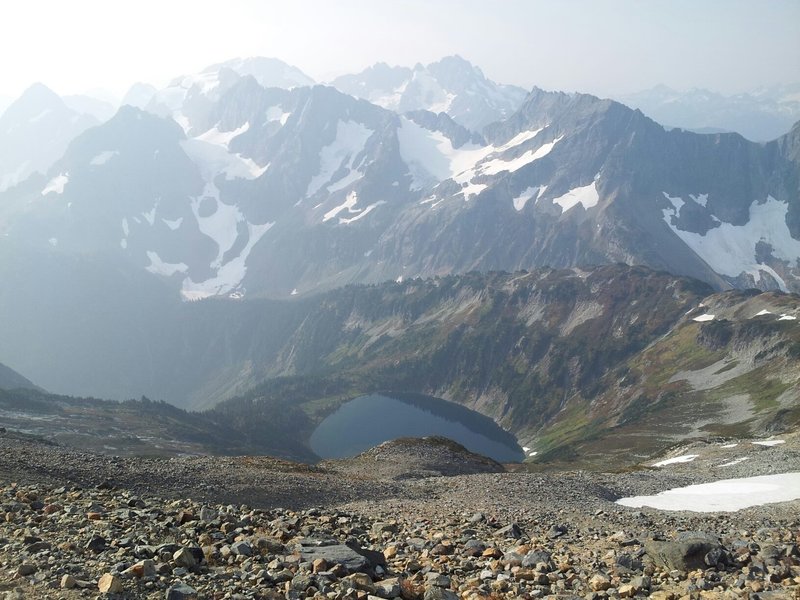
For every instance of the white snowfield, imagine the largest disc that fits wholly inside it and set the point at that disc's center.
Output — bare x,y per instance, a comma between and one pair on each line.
727,495
704,318
731,249
678,459
586,196
431,158
103,158
343,152
56,184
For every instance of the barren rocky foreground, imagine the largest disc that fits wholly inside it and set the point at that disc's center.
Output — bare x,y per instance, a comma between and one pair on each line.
409,519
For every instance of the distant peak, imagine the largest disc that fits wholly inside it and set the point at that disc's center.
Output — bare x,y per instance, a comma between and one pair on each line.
40,91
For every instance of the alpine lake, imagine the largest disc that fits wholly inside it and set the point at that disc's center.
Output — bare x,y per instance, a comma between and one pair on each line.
367,421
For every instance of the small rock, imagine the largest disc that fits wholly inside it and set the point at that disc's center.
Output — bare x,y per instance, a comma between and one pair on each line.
599,582
110,584
181,591
26,569
68,582
184,558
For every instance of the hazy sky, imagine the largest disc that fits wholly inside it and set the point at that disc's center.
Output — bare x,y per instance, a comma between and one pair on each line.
601,46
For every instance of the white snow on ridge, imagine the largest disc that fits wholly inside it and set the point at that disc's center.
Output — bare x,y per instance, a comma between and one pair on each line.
276,113
56,184
213,159
730,249
762,313
704,318
173,225
363,213
586,195
495,166
531,192
351,137
349,204
727,495
159,267
430,156
103,157
770,443
677,460
150,216
520,138
787,318
676,201
222,138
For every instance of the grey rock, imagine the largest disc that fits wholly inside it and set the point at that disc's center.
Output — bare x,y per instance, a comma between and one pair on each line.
181,591
242,548
684,554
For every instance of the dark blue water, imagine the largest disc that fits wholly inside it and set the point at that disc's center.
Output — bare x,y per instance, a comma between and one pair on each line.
368,421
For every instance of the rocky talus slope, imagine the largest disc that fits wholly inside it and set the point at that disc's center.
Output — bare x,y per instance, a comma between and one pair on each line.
75,525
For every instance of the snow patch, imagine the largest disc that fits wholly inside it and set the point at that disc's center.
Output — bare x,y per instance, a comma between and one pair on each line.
56,184
762,313
150,216
53,241
729,446
350,206
731,249
678,459
586,196
103,158
704,318
364,213
531,192
351,137
213,159
735,461
727,495
173,225
222,138
676,201
787,318
276,113
229,275
125,228
770,443
159,267
430,155
495,166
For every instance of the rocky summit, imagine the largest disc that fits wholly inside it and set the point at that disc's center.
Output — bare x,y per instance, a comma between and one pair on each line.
79,525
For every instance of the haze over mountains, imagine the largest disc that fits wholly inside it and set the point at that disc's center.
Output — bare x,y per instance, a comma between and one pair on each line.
250,187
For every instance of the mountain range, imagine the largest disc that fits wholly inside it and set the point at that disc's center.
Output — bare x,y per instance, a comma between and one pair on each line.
251,188
761,116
